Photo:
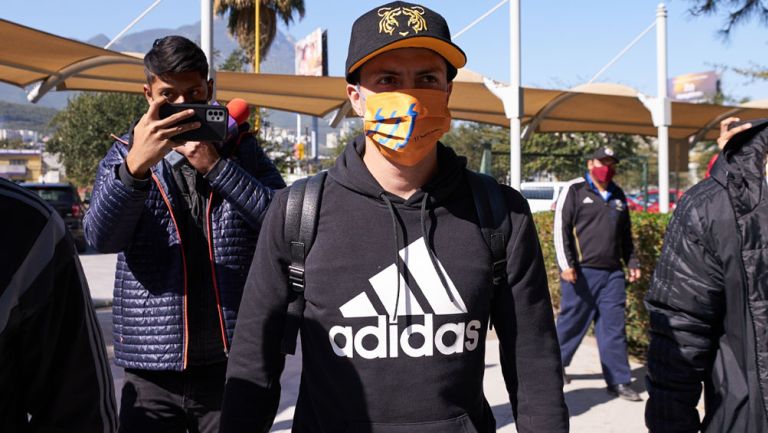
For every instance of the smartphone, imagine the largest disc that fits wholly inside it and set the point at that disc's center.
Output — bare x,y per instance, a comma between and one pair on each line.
212,118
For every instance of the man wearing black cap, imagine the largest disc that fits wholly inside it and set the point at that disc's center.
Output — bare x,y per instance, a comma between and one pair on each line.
398,285
592,236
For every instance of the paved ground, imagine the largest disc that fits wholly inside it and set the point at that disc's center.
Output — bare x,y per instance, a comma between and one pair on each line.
592,409
100,271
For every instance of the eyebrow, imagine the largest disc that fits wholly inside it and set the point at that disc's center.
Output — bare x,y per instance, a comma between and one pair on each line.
434,70
429,70
172,88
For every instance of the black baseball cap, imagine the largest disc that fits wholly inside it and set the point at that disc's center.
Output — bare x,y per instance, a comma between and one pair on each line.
603,152
401,25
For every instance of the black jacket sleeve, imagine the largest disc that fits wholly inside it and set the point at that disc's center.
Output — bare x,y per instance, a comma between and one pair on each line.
685,303
67,384
627,246
530,354
252,392
565,244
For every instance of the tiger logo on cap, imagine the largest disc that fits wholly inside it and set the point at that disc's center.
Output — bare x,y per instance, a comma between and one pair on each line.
390,21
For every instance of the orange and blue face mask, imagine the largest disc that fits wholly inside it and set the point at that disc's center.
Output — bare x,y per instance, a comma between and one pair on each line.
407,124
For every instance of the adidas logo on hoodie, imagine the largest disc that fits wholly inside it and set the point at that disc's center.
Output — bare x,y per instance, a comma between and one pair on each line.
389,341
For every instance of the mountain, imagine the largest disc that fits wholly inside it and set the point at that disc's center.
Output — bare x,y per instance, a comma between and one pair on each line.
25,116
279,60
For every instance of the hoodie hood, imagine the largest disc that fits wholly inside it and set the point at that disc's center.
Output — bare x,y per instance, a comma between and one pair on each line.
351,172
740,168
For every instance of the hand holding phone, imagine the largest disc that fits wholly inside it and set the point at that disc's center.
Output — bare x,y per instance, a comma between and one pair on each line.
152,137
212,119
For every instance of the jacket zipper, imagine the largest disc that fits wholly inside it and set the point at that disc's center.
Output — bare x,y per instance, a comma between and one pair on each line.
749,317
184,266
213,275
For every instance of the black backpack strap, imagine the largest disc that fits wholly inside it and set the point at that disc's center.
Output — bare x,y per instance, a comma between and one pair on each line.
301,214
492,216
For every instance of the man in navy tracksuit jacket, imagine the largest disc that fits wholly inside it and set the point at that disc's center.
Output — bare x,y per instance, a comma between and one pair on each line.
593,235
185,235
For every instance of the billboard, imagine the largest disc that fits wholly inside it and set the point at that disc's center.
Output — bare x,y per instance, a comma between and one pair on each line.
311,54
697,87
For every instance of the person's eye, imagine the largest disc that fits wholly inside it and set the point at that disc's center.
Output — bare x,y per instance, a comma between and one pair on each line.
386,80
429,79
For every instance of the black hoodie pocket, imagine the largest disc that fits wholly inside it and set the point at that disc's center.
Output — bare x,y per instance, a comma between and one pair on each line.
461,424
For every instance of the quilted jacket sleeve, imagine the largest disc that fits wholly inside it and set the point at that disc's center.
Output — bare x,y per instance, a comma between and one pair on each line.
248,187
685,303
115,207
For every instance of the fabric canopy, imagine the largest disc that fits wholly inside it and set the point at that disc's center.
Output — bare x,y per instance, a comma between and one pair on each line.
29,55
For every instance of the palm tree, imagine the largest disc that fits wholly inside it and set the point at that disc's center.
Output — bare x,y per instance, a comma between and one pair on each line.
241,20
739,11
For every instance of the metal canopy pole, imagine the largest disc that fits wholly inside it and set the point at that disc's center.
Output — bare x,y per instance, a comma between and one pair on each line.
515,152
664,107
206,37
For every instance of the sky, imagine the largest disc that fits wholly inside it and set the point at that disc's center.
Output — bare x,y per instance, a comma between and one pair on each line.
564,42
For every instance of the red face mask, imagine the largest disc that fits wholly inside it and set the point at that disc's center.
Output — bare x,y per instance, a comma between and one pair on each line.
603,174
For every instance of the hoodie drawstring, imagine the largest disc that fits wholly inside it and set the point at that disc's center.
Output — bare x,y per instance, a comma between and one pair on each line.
430,252
399,263
398,266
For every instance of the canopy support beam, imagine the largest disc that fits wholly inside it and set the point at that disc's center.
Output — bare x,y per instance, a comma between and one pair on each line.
54,80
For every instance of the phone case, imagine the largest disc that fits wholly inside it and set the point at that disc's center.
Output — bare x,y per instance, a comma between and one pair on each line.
212,118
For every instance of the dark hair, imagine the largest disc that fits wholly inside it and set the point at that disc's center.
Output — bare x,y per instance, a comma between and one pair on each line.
172,55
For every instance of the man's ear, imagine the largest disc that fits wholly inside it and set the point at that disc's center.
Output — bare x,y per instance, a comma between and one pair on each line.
210,90
450,89
148,93
353,93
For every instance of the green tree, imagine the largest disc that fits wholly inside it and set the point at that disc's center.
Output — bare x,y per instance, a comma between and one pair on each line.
468,140
83,130
242,16
236,61
562,155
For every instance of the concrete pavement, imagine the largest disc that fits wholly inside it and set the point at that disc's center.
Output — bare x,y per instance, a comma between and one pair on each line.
591,408
100,272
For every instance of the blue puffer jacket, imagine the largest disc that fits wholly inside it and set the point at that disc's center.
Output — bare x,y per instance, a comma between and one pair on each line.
149,310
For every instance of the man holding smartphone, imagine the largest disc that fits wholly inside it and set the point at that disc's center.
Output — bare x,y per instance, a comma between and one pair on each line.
185,235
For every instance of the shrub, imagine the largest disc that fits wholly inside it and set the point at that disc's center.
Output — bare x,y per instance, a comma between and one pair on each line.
648,234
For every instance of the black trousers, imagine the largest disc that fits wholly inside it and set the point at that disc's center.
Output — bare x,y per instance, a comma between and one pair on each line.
172,401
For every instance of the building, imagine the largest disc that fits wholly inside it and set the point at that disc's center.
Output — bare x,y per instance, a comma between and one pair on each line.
21,165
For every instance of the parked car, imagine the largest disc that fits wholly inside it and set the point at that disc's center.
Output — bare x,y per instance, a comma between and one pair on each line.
64,198
638,202
542,196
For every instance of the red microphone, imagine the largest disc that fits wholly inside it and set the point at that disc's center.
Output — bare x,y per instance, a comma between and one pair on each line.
239,110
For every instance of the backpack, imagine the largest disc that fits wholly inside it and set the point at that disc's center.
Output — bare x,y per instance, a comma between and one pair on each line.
301,215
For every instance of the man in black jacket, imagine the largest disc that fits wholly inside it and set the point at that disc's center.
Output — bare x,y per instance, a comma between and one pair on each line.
708,301
398,284
593,235
54,373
